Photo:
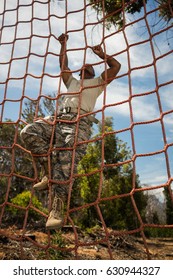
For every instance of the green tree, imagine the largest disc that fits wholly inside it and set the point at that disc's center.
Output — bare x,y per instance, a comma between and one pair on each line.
44,107
113,10
169,206
165,9
14,162
16,165
117,211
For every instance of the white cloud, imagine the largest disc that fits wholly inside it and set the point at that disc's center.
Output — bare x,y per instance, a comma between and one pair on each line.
152,170
52,25
166,93
9,5
114,43
155,180
75,22
117,94
168,119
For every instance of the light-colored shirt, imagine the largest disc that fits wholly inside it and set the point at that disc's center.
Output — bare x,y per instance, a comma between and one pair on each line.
83,93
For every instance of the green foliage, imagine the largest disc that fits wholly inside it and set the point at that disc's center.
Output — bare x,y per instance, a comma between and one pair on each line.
13,159
58,241
158,232
7,133
113,10
23,200
3,188
39,108
54,252
30,109
118,213
169,206
166,9
114,180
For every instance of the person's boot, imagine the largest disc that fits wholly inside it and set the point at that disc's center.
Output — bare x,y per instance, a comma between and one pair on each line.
56,216
41,185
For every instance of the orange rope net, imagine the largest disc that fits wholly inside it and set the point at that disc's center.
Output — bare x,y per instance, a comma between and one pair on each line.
29,67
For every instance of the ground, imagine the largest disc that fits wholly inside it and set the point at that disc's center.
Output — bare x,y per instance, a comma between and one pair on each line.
35,245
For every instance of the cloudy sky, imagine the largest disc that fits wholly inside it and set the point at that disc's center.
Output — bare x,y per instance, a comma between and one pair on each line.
141,94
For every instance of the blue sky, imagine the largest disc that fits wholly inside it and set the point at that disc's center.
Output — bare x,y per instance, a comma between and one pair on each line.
148,100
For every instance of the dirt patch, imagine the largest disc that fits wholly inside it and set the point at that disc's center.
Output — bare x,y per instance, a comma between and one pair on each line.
34,245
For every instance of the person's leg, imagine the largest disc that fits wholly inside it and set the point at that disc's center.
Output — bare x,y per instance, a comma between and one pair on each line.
37,139
61,167
64,167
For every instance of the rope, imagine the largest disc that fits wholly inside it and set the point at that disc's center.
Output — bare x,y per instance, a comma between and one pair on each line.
29,67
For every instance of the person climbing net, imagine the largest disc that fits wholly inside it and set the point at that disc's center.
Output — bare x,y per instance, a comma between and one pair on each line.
72,122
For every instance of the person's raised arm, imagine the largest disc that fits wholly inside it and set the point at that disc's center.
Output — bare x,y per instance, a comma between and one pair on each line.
114,65
63,59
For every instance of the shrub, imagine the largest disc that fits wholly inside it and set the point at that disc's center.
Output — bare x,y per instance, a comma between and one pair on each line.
23,200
